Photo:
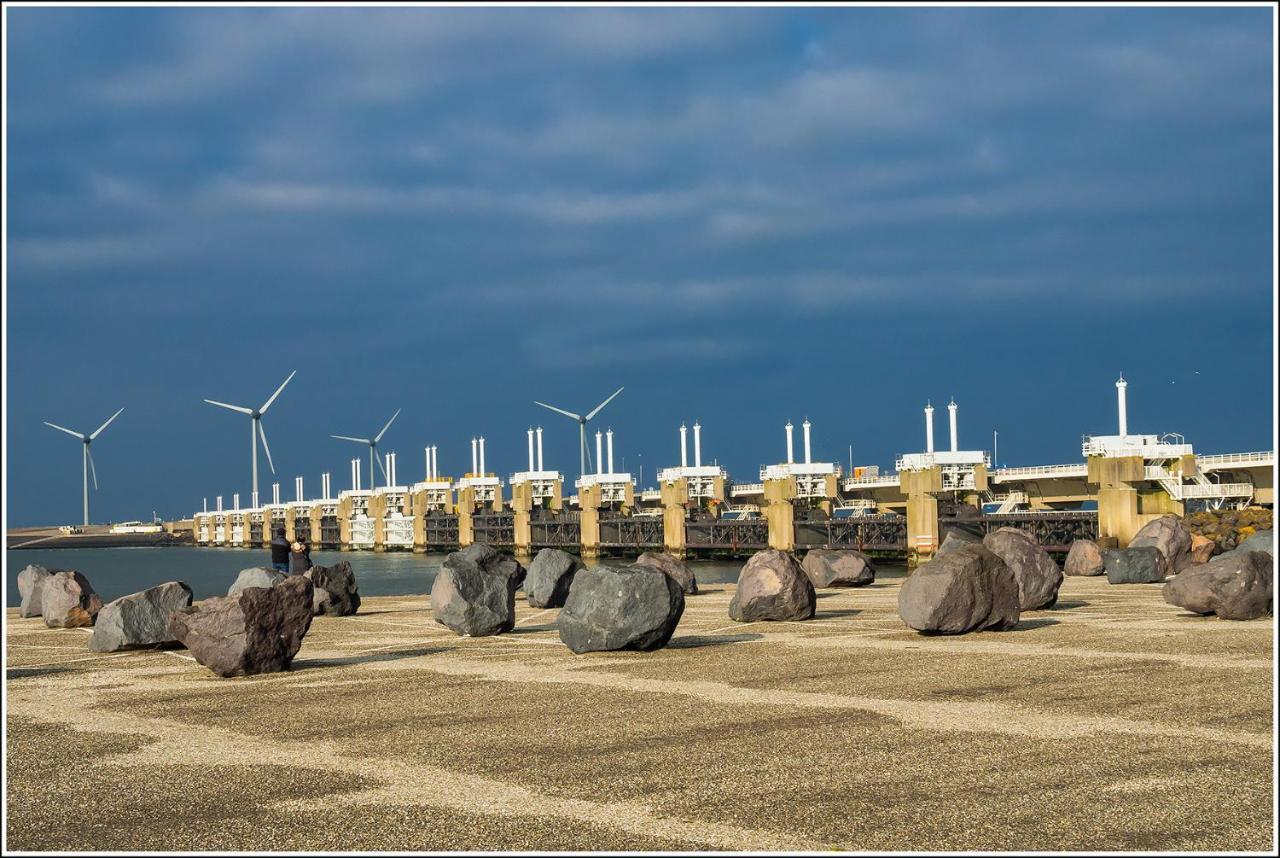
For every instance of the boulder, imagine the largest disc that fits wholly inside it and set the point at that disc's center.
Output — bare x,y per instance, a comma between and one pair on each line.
1084,558
1202,548
612,608
1235,586
1037,575
475,591
956,538
256,577
673,566
1142,565
67,600
1264,541
842,568
773,586
967,589
259,630
30,580
1169,534
335,590
139,620
546,585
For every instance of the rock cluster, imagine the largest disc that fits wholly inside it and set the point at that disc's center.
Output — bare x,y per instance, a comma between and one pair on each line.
1171,537
967,589
1235,586
1084,558
139,620
1037,575
679,571
335,589
838,568
1228,528
613,608
1142,565
258,576
30,580
67,600
773,586
546,585
259,630
475,591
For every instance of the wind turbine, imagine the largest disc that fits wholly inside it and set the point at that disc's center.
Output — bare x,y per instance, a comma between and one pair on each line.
582,427
88,457
256,431
373,447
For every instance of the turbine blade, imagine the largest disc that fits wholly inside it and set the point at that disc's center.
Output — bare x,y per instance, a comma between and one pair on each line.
263,409
239,408
378,437
349,438
63,429
93,470
105,425
263,434
568,414
378,459
601,406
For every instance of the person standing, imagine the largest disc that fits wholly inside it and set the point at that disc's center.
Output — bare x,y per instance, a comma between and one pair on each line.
279,551
299,558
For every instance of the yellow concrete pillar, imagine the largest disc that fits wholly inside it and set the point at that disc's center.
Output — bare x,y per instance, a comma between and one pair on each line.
589,520
316,514
675,497
522,514
344,524
466,509
1118,499
920,487
780,513
378,512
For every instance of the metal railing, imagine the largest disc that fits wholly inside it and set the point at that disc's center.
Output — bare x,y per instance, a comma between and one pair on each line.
1262,457
740,489
1042,471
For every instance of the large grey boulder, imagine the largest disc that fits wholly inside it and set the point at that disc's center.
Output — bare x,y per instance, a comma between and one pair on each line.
838,568
1084,558
546,585
1169,534
139,620
1037,575
1235,586
258,576
956,538
67,600
1263,540
673,566
30,580
335,590
259,630
773,586
612,608
967,589
475,591
1142,565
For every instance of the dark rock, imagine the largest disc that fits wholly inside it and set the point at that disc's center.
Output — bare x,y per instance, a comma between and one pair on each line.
256,577
475,591
30,580
139,620
772,586
550,573
259,630
1235,586
1142,565
842,568
335,590
1264,541
1084,558
67,600
967,589
1038,576
612,608
673,566
1169,534
956,538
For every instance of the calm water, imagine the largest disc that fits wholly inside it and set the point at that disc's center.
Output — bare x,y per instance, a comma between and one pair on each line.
116,572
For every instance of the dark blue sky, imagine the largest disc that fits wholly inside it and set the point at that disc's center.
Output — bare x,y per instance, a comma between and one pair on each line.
744,216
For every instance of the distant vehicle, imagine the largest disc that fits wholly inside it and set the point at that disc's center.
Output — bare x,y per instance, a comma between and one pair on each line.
69,529
135,527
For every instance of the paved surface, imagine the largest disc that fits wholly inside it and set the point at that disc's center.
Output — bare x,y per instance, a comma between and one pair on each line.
1114,721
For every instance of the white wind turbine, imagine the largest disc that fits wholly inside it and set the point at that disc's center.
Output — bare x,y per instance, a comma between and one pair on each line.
373,447
583,455
87,456
256,431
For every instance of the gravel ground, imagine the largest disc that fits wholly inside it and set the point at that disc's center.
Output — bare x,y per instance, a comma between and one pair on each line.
1111,722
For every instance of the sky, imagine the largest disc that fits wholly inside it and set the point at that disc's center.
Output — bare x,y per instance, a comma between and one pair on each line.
743,216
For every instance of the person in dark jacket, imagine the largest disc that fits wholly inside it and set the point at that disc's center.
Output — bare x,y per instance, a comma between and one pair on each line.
299,558
279,552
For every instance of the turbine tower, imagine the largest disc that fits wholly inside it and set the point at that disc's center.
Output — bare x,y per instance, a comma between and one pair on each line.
87,456
582,427
373,447
256,431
